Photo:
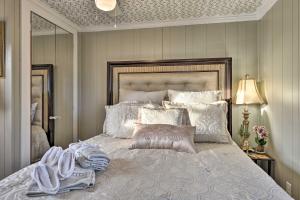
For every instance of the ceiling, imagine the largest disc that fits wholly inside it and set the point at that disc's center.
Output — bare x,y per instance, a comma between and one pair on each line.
154,13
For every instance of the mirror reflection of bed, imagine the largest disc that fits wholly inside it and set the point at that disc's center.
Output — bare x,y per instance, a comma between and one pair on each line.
42,128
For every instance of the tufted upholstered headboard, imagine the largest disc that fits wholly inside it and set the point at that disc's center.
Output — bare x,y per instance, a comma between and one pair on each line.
42,93
184,74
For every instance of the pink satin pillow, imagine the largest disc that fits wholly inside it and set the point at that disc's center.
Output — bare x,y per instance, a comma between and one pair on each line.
164,136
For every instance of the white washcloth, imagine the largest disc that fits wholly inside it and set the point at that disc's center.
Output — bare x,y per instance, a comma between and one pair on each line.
66,164
52,156
46,179
80,179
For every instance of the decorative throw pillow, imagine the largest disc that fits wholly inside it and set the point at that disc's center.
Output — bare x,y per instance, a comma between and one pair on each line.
194,97
210,120
141,96
160,116
163,136
33,111
121,119
185,116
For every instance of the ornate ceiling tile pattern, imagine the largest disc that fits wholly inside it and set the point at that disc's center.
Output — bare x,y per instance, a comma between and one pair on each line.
39,24
84,12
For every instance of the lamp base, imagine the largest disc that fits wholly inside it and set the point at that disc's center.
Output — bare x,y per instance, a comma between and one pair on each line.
244,132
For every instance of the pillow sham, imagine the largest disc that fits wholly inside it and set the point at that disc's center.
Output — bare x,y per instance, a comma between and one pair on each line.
121,119
160,116
141,96
33,111
163,136
210,120
194,97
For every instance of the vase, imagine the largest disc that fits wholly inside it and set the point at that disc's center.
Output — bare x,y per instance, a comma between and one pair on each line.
260,148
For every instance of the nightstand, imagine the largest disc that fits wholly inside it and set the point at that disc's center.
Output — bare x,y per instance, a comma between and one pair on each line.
256,157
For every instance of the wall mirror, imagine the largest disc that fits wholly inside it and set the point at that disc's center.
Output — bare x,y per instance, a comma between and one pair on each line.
51,86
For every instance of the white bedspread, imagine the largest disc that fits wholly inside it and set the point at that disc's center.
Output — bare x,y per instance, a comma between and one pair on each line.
39,142
216,172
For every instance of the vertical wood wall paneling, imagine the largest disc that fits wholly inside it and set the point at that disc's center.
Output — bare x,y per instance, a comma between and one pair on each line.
287,91
279,70
2,111
296,108
196,41
174,42
215,37
237,40
295,93
9,90
276,124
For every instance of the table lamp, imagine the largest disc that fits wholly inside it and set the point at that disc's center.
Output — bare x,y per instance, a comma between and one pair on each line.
247,94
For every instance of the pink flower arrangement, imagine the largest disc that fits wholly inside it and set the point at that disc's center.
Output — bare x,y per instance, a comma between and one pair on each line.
261,134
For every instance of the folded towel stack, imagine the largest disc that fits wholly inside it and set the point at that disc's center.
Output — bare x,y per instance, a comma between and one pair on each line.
57,173
90,156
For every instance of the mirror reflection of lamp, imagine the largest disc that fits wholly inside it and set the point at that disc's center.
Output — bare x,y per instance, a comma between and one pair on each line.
247,94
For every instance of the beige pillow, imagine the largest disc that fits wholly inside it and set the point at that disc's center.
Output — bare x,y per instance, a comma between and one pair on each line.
210,120
193,97
160,116
141,96
121,118
185,115
162,136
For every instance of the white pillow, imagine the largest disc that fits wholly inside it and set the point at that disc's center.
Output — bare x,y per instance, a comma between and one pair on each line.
194,97
33,111
160,116
121,119
210,121
141,96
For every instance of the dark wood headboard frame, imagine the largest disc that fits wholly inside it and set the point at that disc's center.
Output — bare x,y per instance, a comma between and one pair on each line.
50,92
175,62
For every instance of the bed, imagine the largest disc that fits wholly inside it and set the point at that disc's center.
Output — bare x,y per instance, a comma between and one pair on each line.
215,171
42,128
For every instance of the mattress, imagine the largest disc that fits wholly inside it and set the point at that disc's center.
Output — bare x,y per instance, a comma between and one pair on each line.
216,171
39,142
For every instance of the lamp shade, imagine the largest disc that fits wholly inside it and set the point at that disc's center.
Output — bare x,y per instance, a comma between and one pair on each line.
106,5
248,93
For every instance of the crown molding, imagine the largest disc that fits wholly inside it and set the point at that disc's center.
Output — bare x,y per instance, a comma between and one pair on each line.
203,20
262,11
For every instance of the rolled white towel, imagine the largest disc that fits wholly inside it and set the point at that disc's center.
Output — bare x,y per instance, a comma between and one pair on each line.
66,164
52,156
46,178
